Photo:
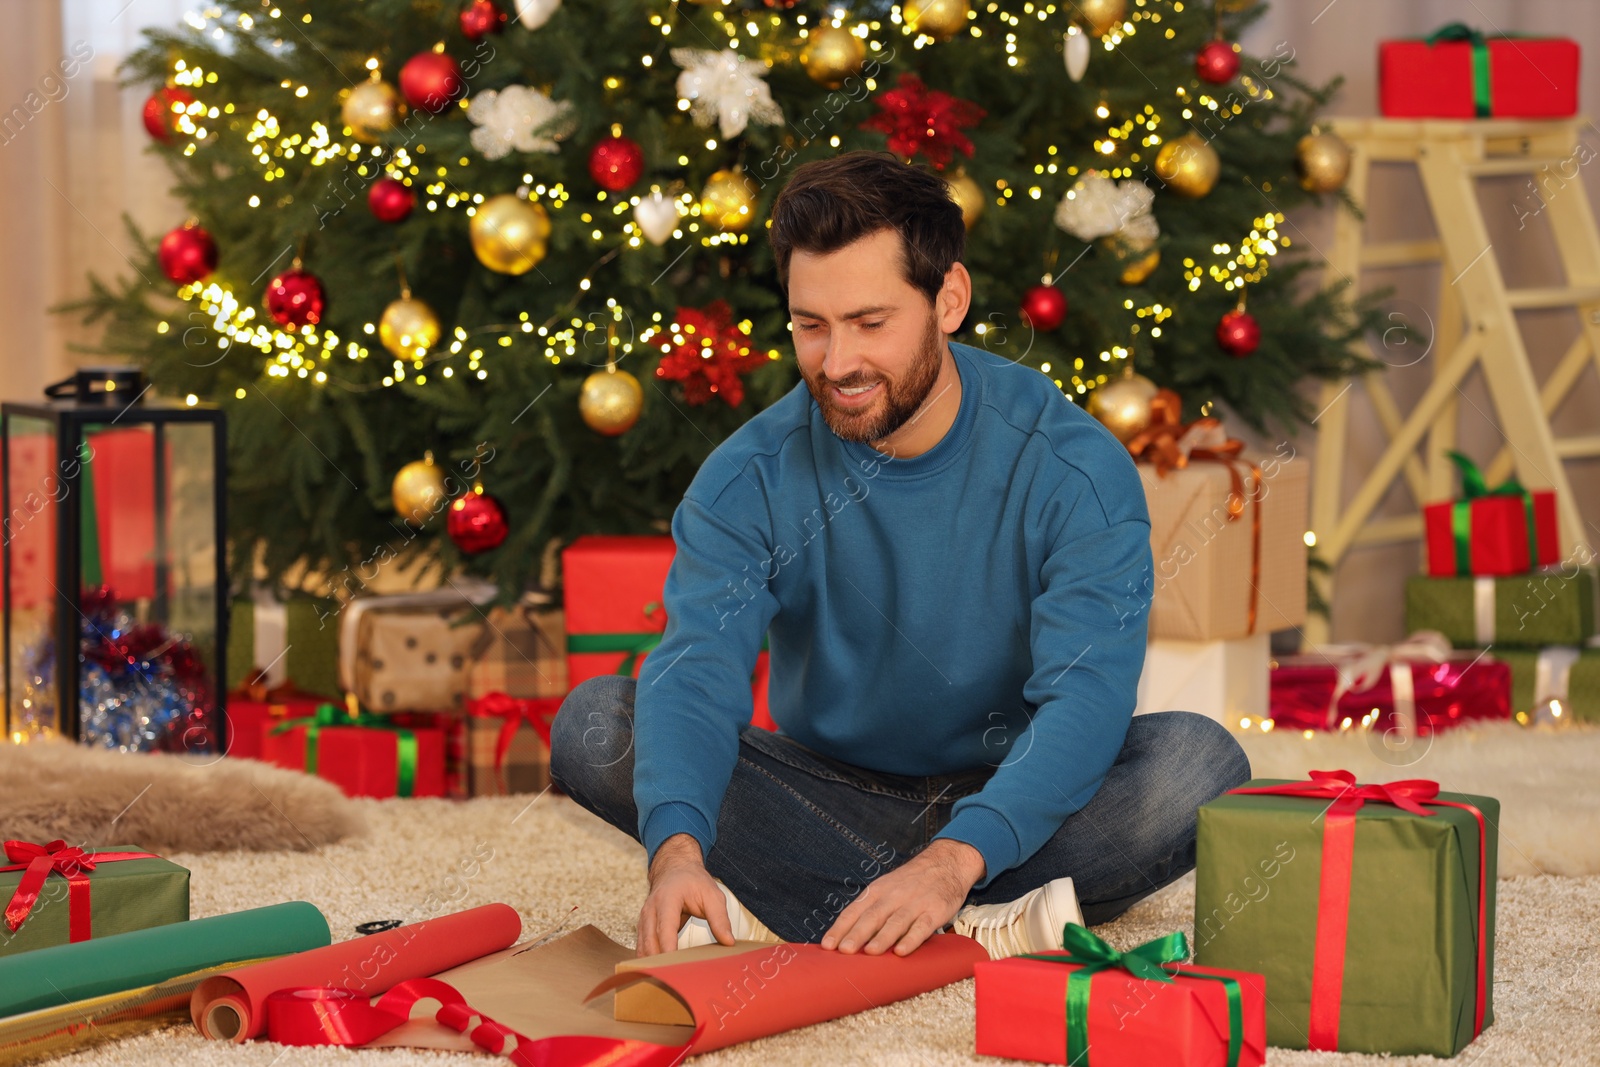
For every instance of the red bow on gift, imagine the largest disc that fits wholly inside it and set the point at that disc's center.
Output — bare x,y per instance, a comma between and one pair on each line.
515,711
37,862
1167,444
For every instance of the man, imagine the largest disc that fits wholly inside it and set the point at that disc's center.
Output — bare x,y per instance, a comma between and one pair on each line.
950,562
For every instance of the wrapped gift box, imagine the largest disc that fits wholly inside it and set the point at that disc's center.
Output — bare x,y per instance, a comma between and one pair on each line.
1399,958
613,588
289,641
1216,577
1497,544
1022,1014
1456,78
412,651
250,720
364,757
126,890
1565,673
525,656
508,745
1553,607
1224,680
1443,693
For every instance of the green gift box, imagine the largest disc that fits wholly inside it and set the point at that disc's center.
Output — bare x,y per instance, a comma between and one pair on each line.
1570,675
1369,909
55,894
1554,607
302,631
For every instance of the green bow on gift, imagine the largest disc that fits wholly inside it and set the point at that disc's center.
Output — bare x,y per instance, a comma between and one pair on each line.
1482,90
1149,961
333,715
1474,487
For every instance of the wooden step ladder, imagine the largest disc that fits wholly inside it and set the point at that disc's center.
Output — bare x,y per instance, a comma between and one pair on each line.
1476,327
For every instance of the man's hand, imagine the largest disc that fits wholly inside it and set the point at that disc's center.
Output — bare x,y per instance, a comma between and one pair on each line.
906,906
680,886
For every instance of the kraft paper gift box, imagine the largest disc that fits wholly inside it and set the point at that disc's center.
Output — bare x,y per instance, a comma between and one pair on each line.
1223,680
56,894
1217,575
407,655
1551,607
1369,909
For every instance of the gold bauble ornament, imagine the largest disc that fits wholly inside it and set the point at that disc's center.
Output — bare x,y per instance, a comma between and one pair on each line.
939,19
728,202
1322,161
1139,257
418,490
965,192
508,233
611,401
1189,165
1123,405
1102,16
832,54
408,327
372,109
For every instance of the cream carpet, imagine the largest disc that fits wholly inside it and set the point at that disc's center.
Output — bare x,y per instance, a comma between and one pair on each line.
554,862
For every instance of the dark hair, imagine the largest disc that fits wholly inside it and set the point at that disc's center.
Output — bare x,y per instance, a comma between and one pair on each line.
830,203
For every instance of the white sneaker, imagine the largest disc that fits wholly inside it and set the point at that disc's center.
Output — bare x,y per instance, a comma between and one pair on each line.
746,927
1031,923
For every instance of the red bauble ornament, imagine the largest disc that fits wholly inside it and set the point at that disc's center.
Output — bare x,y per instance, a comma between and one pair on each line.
1044,307
159,118
1238,333
616,163
481,18
431,81
391,200
187,254
1216,62
476,522
294,298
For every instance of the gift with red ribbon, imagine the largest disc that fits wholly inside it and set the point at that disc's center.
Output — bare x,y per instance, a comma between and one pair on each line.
1457,72
1090,1005
1488,532
364,754
1369,908
57,893
508,744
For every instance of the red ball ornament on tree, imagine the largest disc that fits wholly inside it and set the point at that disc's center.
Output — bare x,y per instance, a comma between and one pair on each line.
159,118
294,298
431,81
391,200
1238,333
1044,307
616,163
1216,62
476,522
187,254
480,18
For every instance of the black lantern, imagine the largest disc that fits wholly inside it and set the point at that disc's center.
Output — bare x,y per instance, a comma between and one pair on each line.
114,566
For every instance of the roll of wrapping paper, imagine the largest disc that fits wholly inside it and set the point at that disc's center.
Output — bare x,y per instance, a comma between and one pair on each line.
231,1006
61,974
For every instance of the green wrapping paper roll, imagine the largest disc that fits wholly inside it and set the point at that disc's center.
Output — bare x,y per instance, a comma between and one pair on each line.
65,973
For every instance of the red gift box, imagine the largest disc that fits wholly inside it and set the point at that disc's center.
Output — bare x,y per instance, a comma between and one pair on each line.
362,760
1491,533
613,587
1467,76
250,720
1444,692
1133,1021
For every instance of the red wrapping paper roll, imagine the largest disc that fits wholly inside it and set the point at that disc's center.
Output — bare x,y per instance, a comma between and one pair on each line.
232,1006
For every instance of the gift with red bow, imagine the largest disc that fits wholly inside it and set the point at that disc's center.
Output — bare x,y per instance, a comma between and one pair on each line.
507,744
1369,908
57,893
1227,529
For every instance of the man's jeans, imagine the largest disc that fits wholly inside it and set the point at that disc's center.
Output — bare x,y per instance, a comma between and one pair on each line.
800,835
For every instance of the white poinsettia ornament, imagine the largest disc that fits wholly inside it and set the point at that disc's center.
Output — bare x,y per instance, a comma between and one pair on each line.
519,118
1098,207
535,13
725,87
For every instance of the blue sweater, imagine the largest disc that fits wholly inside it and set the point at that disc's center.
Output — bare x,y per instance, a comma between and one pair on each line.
979,605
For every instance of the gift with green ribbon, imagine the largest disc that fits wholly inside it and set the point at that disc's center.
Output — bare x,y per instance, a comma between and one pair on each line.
363,753
1488,532
1090,1005
1459,72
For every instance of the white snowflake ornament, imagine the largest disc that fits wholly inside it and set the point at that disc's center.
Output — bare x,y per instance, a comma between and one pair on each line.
535,13
1099,207
725,87
519,118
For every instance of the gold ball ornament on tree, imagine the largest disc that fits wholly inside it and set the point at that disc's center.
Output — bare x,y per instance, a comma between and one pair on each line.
508,233
1323,162
409,328
1188,165
418,490
1102,16
939,19
1139,256
1123,405
965,192
832,54
372,109
611,401
728,202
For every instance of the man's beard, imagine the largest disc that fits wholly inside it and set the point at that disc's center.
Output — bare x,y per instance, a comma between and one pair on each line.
900,400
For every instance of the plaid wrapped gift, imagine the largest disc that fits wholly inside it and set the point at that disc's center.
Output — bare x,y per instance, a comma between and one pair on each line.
508,745
525,655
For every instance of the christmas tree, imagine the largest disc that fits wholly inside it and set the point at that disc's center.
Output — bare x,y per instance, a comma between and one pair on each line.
439,248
